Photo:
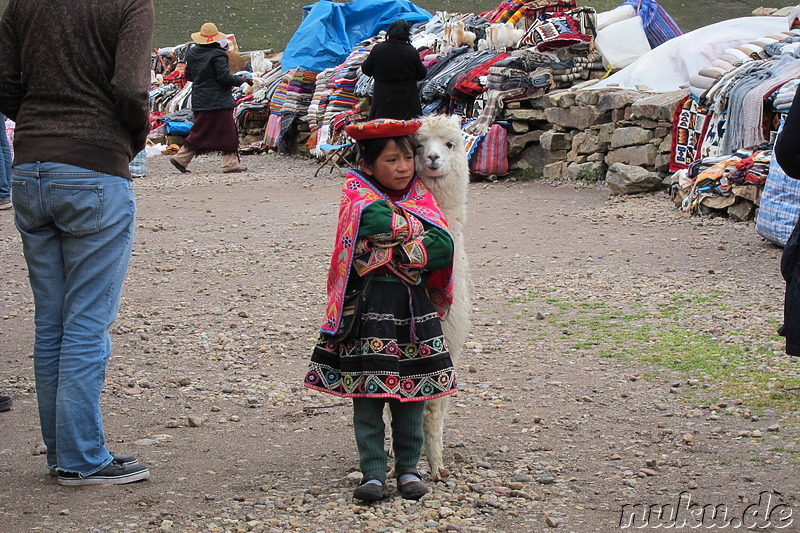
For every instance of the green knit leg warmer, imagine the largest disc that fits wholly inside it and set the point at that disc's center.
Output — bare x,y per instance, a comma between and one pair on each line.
407,436
370,434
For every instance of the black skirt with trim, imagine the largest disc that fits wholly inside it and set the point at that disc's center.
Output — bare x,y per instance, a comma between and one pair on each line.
396,349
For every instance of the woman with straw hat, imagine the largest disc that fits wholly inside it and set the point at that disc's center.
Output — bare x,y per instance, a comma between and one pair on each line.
214,129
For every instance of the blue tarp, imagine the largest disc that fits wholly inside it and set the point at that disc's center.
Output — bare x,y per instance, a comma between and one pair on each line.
330,31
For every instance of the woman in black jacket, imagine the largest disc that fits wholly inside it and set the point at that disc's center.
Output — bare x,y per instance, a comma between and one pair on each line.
396,67
214,129
788,156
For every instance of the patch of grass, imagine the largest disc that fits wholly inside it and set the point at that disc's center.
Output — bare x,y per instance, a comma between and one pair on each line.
655,336
530,297
524,174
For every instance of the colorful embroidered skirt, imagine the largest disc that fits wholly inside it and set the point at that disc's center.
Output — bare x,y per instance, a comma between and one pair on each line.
398,350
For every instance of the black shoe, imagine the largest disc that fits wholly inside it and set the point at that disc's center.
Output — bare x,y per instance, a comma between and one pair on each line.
113,474
119,458
5,403
177,165
371,492
411,490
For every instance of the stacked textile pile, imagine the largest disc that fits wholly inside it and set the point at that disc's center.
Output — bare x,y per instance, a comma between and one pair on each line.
338,95
276,100
735,107
733,110
319,102
299,91
732,183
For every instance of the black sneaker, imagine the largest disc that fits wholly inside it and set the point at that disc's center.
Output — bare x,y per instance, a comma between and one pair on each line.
113,474
5,403
118,458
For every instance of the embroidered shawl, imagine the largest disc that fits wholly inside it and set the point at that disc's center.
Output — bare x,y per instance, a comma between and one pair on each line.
357,194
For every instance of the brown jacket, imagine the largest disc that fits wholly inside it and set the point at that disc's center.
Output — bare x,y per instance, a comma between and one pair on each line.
74,75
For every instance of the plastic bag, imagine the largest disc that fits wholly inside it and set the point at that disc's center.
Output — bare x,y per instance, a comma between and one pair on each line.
491,157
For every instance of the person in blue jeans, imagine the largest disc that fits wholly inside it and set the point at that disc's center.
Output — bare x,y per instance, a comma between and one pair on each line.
5,167
81,114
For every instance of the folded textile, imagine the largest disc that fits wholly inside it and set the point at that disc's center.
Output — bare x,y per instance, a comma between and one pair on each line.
494,103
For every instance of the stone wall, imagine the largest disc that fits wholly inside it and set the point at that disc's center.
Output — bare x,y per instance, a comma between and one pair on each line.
581,134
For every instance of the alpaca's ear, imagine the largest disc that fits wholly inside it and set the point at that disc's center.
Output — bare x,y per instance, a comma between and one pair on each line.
455,119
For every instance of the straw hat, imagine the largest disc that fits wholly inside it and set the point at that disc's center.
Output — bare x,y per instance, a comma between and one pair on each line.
208,34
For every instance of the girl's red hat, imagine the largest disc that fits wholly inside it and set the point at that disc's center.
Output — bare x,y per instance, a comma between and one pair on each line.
382,128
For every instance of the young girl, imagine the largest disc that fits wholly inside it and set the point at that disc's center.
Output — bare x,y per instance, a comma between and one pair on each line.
388,286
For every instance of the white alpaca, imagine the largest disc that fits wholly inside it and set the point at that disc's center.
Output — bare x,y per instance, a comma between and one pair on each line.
441,162
500,36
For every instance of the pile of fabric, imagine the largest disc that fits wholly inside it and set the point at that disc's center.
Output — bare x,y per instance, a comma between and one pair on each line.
716,183
734,107
475,63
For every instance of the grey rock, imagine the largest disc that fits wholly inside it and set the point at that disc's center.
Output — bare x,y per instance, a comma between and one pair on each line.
659,106
617,99
585,142
590,171
553,141
639,156
576,118
628,179
630,137
742,210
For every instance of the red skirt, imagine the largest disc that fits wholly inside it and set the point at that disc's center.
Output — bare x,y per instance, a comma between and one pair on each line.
213,131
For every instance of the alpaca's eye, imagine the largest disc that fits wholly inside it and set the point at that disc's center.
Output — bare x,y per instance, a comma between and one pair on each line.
450,145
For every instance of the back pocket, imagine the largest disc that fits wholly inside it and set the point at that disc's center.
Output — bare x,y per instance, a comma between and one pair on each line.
77,209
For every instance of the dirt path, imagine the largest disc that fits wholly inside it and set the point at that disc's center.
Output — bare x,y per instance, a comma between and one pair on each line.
621,354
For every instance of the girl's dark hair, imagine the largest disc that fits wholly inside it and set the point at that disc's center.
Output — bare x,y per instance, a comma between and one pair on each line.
399,30
370,149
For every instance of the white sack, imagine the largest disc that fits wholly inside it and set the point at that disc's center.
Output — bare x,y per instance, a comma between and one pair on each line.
618,14
622,43
667,67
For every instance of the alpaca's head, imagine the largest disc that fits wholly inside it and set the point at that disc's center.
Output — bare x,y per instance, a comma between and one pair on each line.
441,162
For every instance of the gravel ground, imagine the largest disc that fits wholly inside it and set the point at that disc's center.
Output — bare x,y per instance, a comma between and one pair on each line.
564,415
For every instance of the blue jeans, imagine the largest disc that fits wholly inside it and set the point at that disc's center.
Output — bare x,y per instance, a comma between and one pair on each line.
77,234
5,162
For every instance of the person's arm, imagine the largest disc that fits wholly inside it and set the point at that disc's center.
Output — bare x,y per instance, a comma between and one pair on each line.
419,69
439,246
10,66
368,66
376,219
787,145
222,71
188,71
131,80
